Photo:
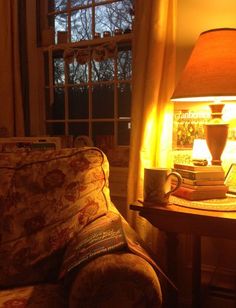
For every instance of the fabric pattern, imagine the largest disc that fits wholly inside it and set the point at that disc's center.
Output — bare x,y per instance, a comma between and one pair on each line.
40,296
46,200
116,280
45,197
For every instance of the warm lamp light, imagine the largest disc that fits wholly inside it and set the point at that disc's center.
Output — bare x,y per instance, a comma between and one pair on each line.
210,75
200,150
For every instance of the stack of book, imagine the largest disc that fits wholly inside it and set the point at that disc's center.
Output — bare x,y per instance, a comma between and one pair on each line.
201,182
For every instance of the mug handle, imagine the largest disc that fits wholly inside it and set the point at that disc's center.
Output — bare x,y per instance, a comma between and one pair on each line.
178,184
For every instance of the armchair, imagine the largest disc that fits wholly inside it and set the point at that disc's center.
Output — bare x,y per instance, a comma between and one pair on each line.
62,241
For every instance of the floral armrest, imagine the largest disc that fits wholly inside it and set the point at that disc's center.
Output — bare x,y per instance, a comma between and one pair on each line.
102,265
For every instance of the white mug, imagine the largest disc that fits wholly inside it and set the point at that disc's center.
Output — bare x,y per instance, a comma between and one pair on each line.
157,184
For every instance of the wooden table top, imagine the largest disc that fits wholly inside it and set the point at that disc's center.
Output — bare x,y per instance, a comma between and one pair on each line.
175,218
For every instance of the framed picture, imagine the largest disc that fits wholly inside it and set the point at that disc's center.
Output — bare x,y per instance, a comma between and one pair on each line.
230,179
187,126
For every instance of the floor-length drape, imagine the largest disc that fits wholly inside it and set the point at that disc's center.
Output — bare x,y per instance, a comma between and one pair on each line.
153,83
11,110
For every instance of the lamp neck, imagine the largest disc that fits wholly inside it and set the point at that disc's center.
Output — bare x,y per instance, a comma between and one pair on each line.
216,110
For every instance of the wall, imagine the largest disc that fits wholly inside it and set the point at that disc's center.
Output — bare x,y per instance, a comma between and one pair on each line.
194,17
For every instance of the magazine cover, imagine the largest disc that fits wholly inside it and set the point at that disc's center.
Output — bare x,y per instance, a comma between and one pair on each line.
187,126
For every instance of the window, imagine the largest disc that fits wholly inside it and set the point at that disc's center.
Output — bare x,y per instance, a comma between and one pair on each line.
88,69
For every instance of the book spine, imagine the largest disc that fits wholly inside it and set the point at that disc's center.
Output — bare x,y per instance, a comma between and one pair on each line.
203,182
194,195
210,168
185,173
200,175
203,187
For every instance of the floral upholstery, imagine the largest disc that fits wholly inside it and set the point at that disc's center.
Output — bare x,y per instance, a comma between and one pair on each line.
46,198
119,280
38,296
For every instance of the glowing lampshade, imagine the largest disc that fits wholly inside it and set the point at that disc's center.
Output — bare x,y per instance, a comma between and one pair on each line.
210,75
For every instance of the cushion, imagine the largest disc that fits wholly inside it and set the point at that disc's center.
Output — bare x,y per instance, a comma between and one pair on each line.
45,197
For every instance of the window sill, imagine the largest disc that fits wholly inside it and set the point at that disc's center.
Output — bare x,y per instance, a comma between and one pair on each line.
123,38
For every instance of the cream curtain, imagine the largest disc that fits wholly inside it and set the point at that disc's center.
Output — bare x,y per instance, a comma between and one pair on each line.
153,83
11,115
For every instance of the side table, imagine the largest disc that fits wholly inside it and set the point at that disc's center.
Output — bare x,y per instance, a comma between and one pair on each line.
173,220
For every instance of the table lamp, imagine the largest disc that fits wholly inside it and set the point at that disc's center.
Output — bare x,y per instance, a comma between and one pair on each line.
210,76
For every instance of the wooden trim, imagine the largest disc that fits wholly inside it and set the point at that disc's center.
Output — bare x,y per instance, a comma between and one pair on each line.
24,64
119,39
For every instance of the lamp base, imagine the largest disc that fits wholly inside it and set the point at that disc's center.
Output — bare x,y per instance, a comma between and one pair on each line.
216,137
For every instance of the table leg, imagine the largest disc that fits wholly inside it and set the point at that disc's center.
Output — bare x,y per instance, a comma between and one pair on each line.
196,272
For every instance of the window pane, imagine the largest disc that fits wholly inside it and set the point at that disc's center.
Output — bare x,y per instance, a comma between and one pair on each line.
60,22
78,73
102,22
103,101
78,3
124,65
55,110
59,71
123,133
124,100
103,135
78,129
103,71
55,129
81,25
57,5
78,103
109,17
